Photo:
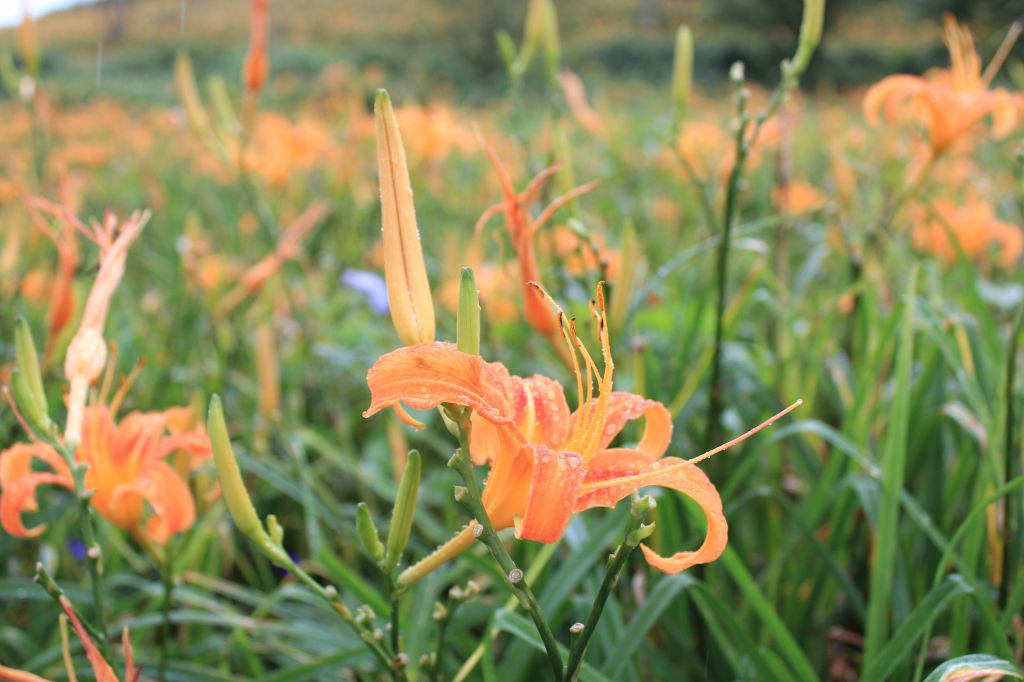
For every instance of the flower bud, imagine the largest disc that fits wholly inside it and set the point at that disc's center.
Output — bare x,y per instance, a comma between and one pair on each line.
468,315
401,515
551,42
412,307
256,65
33,412
28,361
367,531
682,77
230,477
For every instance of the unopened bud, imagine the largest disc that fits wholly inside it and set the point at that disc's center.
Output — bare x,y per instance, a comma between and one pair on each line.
409,296
402,514
367,532
468,320
682,77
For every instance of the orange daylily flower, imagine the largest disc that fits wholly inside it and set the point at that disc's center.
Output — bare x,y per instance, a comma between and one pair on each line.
975,228
952,101
522,227
545,463
127,469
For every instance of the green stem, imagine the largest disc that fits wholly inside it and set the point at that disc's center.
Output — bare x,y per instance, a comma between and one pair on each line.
44,580
470,498
611,578
165,628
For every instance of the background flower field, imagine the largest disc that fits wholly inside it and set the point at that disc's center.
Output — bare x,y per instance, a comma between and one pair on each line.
873,271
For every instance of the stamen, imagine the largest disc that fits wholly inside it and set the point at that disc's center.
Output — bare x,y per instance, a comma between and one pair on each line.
639,479
1002,53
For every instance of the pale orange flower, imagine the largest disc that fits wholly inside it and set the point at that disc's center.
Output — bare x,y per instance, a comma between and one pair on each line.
974,227
126,471
949,102
576,97
795,198
545,463
87,353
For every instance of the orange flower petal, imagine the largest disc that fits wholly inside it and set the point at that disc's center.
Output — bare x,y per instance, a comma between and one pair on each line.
557,479
19,497
888,93
624,407
613,474
539,410
12,675
169,498
16,461
429,374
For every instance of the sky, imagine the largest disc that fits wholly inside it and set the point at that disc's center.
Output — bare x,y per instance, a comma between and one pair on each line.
11,10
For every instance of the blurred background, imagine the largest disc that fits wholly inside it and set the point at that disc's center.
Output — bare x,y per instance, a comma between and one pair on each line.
445,48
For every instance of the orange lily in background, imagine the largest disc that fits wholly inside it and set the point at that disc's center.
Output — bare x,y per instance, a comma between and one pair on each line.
975,228
522,227
950,102
127,470
545,463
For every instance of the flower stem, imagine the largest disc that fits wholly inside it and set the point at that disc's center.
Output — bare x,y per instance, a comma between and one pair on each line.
470,498
611,578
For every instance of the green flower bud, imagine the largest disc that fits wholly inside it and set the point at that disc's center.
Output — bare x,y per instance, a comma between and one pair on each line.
468,328
401,515
367,531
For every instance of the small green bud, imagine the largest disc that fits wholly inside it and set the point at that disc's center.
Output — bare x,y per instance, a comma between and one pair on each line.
468,327
274,529
401,515
551,42
30,409
682,77
367,531
28,361
640,534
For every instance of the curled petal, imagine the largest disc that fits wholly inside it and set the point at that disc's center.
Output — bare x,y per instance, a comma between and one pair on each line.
20,496
1004,112
508,483
888,93
429,374
557,479
625,407
613,474
16,461
169,498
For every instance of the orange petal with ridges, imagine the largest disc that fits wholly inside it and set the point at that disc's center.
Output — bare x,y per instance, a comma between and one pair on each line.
614,474
16,461
557,479
429,374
